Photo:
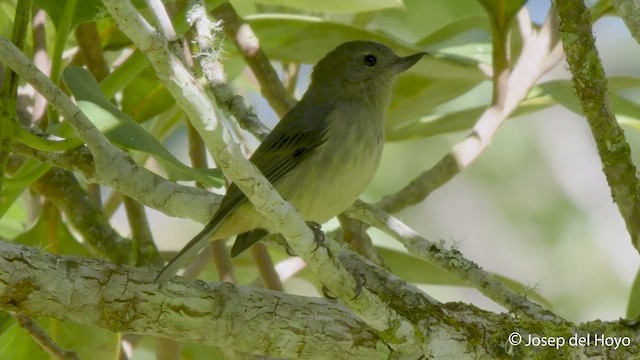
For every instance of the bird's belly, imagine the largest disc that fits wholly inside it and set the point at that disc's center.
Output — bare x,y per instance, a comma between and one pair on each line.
331,184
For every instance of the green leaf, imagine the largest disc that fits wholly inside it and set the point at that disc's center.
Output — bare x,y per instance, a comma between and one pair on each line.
502,11
123,131
633,307
85,10
421,18
146,97
415,96
561,91
87,342
432,81
455,28
17,343
338,6
306,39
27,172
37,235
13,220
435,125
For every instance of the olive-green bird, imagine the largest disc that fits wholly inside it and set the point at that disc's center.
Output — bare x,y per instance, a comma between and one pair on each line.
322,154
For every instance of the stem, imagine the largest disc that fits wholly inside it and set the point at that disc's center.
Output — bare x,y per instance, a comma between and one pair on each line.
590,85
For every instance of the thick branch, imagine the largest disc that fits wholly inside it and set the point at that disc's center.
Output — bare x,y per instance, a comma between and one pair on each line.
590,85
124,299
259,321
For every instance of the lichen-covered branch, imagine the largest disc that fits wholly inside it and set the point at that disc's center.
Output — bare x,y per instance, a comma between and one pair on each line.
590,85
124,299
206,34
258,321
451,261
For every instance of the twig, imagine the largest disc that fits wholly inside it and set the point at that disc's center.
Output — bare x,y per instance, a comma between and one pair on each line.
247,43
109,161
9,90
145,250
266,269
148,188
590,85
62,188
43,339
41,60
451,261
89,42
91,50
209,57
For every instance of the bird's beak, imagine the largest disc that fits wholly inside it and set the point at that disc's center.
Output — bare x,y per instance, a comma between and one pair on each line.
406,62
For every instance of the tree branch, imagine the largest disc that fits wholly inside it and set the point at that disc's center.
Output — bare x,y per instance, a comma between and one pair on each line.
247,43
590,85
44,340
258,321
451,261
209,57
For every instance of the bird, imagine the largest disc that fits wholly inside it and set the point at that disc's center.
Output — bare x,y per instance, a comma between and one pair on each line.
323,152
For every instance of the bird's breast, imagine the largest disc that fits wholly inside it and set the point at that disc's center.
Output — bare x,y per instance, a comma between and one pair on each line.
338,171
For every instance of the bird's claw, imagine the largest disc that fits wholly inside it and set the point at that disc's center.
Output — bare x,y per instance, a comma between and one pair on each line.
318,234
361,280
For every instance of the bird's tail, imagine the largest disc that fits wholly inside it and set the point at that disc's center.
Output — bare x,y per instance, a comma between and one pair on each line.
190,250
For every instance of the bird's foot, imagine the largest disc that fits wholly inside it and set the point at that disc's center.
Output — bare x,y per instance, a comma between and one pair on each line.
361,280
318,237
318,234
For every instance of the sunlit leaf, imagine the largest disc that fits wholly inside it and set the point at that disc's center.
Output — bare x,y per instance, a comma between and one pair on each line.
17,343
85,11
405,265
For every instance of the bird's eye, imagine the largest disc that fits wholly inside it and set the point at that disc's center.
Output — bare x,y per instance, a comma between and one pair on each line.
369,60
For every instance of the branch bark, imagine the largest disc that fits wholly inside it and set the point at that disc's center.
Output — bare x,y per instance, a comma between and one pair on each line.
590,85
259,321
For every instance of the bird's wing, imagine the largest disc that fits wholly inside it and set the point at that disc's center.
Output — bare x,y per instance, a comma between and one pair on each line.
291,142
288,144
